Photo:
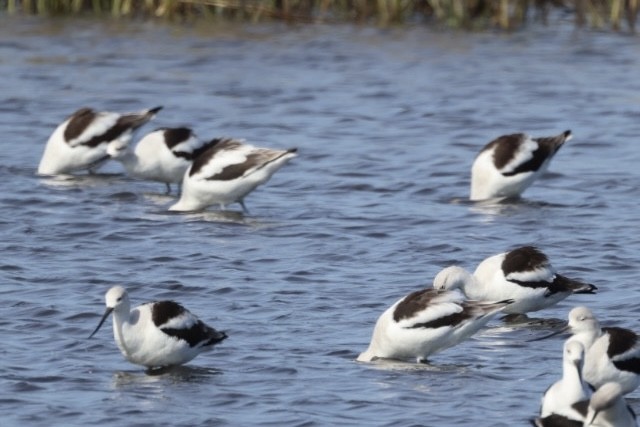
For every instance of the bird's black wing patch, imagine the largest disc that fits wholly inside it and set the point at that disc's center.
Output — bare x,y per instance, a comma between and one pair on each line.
163,311
199,150
620,341
506,147
526,258
413,303
175,136
198,333
210,151
555,420
452,320
78,123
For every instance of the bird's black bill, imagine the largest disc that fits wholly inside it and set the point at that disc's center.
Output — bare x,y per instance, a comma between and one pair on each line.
578,365
552,334
106,314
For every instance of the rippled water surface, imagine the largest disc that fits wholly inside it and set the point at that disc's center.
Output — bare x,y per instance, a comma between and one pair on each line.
387,123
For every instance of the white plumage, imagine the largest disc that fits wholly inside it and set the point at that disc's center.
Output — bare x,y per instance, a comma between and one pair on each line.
606,408
524,274
559,398
81,141
612,354
509,164
156,334
163,155
226,172
425,322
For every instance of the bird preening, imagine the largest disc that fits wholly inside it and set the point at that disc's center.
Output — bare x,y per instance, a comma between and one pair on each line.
524,274
600,365
508,165
218,171
605,360
82,141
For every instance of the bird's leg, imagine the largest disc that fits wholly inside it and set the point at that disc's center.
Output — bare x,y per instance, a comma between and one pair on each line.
168,188
244,208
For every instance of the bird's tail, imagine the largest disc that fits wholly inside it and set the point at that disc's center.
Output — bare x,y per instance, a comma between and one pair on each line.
216,336
563,284
135,120
555,142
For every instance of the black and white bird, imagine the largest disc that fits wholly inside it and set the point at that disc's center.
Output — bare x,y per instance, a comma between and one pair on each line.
81,141
426,322
506,166
606,408
163,155
571,388
226,172
612,354
157,334
524,274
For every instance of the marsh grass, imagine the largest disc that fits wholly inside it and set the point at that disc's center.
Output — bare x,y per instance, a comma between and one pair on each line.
468,14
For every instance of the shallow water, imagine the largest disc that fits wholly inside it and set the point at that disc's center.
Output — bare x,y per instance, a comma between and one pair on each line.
387,123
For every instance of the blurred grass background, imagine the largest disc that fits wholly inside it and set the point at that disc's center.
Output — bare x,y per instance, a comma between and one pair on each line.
465,14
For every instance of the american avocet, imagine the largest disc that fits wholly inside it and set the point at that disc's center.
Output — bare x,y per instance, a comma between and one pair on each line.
523,274
559,398
426,322
162,155
509,164
80,142
613,353
226,172
156,334
607,408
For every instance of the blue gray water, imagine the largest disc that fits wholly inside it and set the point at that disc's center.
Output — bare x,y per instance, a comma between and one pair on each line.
387,123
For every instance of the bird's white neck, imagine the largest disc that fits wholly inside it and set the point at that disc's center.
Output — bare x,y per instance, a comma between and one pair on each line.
129,160
571,375
119,318
587,337
454,277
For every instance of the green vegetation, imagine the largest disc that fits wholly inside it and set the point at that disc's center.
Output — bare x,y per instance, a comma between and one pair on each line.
469,14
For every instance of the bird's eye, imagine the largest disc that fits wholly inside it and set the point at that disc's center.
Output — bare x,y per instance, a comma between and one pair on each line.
119,299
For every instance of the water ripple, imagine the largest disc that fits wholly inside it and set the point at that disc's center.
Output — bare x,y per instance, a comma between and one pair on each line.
387,123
